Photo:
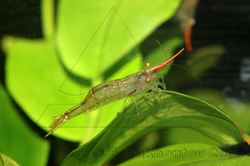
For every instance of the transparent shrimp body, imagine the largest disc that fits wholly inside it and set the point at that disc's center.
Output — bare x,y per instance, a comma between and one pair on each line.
111,91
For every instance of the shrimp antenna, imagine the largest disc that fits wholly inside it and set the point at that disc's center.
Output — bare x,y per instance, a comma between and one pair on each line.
161,47
179,65
189,73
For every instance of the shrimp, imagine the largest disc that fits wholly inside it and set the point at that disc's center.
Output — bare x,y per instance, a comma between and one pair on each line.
111,91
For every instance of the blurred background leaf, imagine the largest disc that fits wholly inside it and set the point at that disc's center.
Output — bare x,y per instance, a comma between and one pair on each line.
18,139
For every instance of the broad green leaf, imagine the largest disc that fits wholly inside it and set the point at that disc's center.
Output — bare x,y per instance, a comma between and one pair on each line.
18,140
157,110
175,135
48,18
106,31
204,58
235,108
5,160
34,77
188,154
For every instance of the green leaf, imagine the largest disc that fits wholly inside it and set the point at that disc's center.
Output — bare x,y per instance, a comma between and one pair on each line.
210,54
5,160
188,154
48,18
106,32
157,110
197,63
233,107
18,140
34,77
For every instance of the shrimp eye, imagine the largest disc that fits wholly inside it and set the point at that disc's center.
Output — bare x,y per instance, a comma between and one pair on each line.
147,64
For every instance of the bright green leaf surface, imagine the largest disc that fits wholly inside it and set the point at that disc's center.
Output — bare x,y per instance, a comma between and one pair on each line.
106,31
156,110
5,160
17,139
34,77
188,154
